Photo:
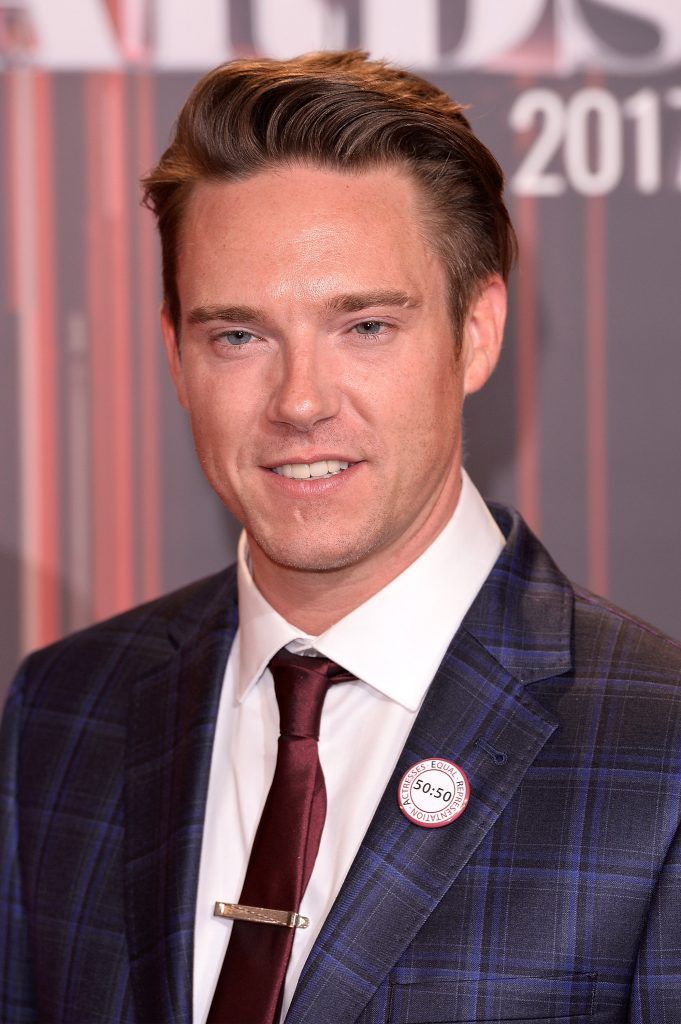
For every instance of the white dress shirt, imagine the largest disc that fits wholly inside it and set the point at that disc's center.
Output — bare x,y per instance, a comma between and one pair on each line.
393,643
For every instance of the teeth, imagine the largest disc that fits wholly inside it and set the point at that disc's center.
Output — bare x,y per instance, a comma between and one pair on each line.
316,470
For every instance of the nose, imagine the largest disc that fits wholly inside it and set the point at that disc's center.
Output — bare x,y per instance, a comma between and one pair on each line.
306,390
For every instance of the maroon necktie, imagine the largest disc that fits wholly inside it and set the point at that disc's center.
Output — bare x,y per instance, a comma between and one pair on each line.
251,982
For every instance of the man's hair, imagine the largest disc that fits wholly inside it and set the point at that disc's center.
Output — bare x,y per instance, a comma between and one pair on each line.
346,113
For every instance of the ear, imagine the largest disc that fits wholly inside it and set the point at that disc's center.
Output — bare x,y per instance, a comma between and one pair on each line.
483,333
172,347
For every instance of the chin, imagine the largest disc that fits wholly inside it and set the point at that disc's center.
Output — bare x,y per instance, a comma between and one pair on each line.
311,554
310,560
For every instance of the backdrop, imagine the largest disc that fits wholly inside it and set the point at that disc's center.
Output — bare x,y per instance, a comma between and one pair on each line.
102,503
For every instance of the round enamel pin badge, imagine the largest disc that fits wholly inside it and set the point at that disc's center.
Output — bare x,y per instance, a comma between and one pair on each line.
433,792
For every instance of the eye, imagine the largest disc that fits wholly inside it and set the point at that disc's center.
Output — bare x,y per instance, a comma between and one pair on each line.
236,338
369,327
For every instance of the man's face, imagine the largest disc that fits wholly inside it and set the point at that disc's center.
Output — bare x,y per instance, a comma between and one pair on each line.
318,365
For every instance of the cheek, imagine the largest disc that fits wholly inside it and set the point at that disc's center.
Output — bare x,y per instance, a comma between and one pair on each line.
430,401
420,428
216,421
440,432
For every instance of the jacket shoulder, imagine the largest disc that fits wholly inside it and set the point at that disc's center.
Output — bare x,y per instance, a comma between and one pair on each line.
124,647
609,640
543,627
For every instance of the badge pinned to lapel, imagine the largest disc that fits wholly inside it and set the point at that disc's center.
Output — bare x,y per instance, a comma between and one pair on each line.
433,792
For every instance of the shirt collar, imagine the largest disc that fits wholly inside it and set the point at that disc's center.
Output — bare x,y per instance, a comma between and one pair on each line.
396,640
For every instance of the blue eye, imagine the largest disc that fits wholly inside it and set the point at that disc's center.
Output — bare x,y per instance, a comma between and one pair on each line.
367,327
236,338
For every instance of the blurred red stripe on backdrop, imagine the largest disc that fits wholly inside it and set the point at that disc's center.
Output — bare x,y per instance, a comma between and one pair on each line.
31,244
110,344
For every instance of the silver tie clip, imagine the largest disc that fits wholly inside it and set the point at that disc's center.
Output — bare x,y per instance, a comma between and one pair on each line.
259,915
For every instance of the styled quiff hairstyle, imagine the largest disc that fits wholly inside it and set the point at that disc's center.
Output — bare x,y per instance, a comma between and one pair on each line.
343,112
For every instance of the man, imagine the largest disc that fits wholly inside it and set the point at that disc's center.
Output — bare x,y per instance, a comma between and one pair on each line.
500,750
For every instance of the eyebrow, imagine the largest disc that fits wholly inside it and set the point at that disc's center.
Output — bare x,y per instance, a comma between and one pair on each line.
354,302
357,301
204,314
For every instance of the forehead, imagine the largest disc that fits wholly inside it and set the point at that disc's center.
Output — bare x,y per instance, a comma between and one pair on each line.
309,222
306,192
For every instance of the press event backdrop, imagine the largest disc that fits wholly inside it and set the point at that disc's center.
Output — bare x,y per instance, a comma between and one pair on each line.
102,503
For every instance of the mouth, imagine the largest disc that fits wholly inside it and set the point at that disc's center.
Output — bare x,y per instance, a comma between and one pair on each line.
311,470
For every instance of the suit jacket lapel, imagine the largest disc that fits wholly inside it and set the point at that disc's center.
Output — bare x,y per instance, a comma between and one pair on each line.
172,723
478,714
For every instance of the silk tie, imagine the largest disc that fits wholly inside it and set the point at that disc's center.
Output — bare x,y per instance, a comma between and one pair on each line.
251,982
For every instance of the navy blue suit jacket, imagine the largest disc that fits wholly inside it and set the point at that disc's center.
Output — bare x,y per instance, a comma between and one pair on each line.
554,897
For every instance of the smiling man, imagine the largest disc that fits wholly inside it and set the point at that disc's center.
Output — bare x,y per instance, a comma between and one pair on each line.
392,766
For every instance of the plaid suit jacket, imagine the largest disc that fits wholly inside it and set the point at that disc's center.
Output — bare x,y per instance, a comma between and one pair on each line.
554,897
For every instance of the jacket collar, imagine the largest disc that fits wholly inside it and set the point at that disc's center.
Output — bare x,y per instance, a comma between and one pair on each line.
523,613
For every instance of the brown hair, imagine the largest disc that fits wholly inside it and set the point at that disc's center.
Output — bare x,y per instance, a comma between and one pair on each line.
345,112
